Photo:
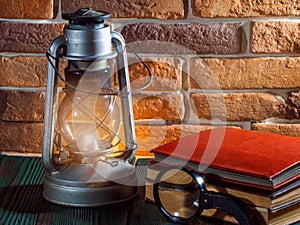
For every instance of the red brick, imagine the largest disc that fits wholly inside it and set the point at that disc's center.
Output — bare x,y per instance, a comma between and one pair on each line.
27,37
293,101
159,9
21,137
232,8
23,71
287,129
184,38
238,106
152,136
22,106
27,9
245,73
275,37
167,74
158,106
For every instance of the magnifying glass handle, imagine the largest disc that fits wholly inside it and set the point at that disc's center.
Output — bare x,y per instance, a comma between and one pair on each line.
229,203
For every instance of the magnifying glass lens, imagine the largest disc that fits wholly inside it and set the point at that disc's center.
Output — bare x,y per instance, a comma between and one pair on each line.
179,194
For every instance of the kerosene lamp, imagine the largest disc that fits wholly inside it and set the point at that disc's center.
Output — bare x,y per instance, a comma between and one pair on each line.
89,139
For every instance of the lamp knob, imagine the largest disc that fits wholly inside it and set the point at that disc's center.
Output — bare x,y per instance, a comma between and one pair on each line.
86,15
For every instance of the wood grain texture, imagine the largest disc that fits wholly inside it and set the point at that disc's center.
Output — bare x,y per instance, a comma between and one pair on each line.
22,202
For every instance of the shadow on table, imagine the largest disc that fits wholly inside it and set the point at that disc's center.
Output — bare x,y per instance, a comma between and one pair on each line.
22,198
25,204
29,199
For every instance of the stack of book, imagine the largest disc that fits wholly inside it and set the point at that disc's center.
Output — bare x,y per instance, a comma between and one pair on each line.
262,169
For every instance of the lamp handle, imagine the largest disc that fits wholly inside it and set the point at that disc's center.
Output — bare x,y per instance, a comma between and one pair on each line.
49,121
125,94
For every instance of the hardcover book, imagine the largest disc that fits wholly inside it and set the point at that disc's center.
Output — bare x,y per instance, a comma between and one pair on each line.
260,206
249,158
272,200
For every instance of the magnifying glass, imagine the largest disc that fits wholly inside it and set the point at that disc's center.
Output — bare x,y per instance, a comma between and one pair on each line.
181,195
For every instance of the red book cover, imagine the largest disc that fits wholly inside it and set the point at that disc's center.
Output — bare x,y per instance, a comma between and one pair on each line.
242,156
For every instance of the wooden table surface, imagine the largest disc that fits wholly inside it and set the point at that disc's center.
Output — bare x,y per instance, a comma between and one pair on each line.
22,202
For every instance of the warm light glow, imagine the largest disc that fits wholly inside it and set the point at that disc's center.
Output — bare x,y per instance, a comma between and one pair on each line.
89,120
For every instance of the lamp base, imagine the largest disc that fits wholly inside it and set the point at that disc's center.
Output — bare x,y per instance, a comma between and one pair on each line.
90,185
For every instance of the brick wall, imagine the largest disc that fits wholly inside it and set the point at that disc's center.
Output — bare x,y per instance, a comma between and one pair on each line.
222,62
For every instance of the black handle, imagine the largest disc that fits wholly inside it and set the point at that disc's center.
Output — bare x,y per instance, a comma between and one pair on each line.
229,203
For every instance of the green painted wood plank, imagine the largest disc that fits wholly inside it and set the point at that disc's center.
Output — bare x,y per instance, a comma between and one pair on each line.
22,184
22,202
